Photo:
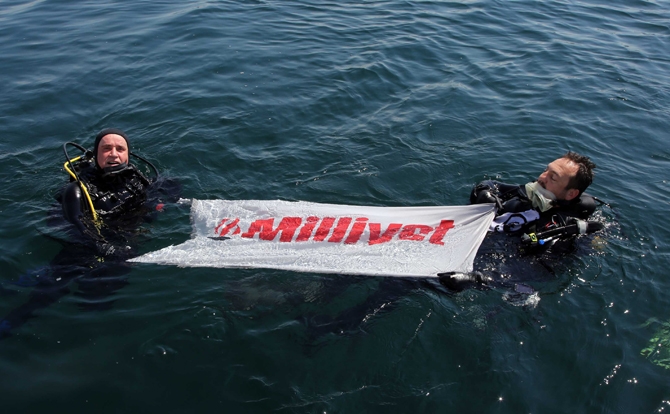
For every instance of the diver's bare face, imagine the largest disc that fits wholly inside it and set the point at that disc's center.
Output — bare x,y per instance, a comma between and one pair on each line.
557,177
112,151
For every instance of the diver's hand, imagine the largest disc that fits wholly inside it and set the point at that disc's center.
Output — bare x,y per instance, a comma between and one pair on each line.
110,250
483,193
458,282
105,249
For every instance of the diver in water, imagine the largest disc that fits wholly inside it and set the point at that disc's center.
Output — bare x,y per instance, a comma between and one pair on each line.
107,194
106,201
540,217
547,214
556,197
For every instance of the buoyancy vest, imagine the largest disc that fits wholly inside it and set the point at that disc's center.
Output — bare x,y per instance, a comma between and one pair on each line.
118,193
114,196
513,199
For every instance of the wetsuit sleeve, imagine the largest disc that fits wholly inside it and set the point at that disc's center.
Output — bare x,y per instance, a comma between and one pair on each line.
485,192
509,198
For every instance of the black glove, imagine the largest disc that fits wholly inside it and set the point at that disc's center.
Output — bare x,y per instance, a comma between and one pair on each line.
483,193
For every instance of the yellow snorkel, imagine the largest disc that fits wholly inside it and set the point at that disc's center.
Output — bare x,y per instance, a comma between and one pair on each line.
82,185
68,166
73,165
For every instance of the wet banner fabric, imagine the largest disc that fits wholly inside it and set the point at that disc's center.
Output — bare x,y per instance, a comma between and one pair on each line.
328,238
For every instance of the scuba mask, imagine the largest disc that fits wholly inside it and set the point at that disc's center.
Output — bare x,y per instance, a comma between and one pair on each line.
541,198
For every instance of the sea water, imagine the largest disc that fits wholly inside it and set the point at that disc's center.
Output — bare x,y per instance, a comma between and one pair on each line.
382,103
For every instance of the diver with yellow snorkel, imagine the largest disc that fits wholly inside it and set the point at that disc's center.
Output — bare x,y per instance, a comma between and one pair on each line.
106,190
106,200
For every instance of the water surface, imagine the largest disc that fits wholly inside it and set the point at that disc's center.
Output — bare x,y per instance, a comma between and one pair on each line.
386,103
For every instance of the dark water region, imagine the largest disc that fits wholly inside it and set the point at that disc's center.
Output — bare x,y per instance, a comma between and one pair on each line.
386,103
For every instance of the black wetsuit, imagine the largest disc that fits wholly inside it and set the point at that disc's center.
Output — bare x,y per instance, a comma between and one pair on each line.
513,203
513,199
119,199
94,256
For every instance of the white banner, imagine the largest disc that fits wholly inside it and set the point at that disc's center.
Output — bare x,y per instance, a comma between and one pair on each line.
329,238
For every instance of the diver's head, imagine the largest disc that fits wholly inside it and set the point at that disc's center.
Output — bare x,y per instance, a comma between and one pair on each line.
111,149
567,177
584,176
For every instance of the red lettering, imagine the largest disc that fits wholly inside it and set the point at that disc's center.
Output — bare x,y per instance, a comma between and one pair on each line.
441,231
287,226
324,229
356,230
409,232
375,229
306,230
226,229
340,230
221,223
